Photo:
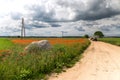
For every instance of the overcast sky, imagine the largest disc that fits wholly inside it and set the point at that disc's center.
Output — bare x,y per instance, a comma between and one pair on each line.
50,17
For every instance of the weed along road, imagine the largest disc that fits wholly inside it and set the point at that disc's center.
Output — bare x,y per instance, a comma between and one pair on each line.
101,61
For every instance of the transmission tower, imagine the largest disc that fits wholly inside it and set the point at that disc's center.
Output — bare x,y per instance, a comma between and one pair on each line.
23,29
63,33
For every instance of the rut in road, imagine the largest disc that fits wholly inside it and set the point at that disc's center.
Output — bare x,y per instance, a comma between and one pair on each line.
101,61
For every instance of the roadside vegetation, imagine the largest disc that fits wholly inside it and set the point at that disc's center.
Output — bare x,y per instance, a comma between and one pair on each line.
16,64
115,41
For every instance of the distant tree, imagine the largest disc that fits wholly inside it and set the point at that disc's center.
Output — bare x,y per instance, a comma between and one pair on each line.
99,34
18,36
86,36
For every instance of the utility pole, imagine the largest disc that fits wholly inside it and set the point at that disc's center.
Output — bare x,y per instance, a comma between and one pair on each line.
23,29
63,33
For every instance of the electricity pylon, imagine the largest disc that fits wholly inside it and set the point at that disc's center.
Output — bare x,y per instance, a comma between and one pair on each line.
23,29
63,33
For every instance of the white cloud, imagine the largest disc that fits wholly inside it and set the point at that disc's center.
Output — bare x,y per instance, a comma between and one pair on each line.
50,17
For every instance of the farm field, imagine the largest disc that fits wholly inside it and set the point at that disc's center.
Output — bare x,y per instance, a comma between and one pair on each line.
17,64
115,41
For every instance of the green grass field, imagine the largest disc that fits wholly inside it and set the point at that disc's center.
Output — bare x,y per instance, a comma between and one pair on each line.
115,41
19,65
5,44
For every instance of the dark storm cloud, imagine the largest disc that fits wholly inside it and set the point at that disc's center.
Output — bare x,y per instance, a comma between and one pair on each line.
36,26
39,13
96,14
96,9
91,10
30,24
118,26
55,25
110,27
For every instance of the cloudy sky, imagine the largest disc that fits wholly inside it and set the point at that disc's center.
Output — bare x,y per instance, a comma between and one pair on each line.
50,17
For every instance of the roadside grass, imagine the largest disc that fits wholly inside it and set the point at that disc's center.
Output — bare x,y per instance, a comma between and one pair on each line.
115,41
35,66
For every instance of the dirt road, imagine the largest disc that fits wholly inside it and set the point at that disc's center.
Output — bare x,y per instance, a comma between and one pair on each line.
101,61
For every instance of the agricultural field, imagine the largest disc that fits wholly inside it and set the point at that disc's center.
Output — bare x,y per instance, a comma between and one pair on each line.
17,64
115,41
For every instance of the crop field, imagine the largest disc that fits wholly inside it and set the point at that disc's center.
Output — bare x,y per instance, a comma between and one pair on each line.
115,41
17,64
